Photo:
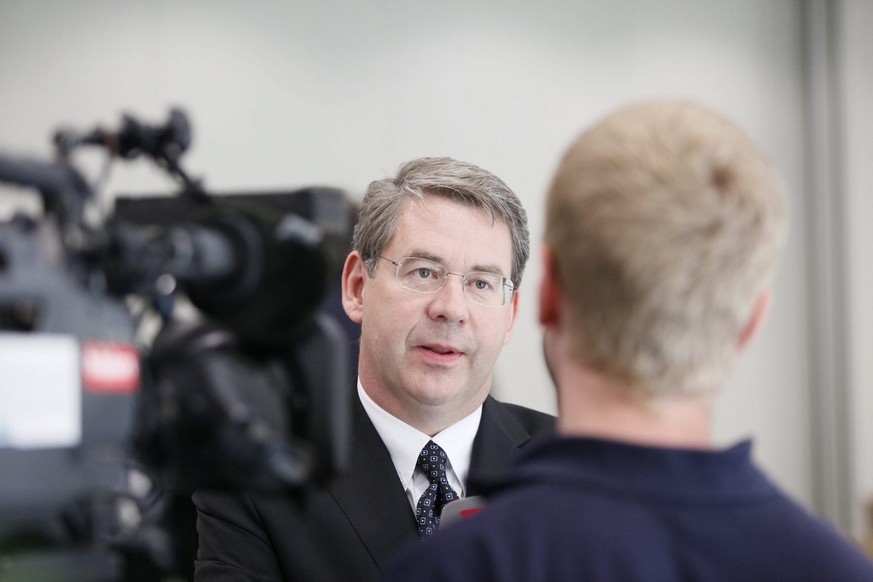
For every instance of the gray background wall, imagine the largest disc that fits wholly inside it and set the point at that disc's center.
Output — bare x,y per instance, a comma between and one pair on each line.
288,94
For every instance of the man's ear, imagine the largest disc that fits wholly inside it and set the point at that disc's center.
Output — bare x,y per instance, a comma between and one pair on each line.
550,290
354,275
762,306
513,315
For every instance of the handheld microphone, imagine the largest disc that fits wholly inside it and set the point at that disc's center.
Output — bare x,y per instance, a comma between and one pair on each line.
462,509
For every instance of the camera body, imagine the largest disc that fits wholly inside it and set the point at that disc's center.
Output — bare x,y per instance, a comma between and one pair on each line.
247,390
70,380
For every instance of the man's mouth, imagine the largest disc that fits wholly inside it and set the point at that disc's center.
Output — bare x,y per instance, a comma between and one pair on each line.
440,349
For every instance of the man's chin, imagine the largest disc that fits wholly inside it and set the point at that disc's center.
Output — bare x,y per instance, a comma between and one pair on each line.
447,395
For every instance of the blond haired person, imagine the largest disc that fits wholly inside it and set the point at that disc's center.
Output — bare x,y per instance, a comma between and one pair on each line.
664,226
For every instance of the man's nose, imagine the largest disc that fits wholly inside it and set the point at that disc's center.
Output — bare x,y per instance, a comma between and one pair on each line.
450,302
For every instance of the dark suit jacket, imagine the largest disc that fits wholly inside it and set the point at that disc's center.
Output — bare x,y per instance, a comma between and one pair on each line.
352,528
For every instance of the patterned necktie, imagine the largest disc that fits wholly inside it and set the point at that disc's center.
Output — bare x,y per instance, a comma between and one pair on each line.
432,460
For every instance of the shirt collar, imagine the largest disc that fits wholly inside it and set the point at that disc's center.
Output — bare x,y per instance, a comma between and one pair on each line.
404,442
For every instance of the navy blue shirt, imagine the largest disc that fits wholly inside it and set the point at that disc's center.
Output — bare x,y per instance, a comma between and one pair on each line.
589,509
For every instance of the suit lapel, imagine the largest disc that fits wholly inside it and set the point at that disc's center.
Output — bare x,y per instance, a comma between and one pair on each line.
371,497
496,445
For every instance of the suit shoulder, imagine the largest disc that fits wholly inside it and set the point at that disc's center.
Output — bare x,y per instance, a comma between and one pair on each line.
532,420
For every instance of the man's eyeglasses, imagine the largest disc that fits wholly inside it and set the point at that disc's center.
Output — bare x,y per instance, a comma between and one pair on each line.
426,276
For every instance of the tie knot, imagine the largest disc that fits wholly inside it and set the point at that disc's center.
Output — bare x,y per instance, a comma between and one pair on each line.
432,461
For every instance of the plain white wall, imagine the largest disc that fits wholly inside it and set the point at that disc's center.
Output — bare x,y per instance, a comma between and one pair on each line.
288,94
857,75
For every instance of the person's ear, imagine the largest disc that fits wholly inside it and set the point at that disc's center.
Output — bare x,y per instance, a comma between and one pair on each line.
550,290
354,276
762,306
513,315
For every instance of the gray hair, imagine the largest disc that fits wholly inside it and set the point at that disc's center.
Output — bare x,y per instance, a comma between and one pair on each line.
460,181
666,222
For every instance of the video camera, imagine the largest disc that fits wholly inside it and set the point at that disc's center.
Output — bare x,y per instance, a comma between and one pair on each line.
181,342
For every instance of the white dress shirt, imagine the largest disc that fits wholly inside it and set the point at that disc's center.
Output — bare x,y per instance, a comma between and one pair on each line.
405,442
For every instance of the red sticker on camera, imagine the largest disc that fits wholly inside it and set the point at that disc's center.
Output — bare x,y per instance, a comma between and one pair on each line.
110,367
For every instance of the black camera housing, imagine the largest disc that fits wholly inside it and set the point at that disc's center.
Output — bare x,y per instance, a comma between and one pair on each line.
247,390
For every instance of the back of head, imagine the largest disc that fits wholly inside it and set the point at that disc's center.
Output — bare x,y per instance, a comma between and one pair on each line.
462,182
666,222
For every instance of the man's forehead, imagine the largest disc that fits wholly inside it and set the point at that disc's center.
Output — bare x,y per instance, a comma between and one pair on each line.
485,245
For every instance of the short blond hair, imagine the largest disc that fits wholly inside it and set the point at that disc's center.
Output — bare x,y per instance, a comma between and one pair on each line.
666,222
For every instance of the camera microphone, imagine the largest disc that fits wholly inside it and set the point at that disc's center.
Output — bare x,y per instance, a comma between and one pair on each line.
167,141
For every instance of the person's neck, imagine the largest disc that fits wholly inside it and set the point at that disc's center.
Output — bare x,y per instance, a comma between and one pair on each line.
593,405
429,418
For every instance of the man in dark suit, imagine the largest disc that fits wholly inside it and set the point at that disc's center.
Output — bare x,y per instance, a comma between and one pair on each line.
438,256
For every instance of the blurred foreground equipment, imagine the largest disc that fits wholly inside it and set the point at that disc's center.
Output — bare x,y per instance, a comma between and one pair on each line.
99,427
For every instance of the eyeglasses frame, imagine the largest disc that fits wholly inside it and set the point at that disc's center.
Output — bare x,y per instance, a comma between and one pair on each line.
506,283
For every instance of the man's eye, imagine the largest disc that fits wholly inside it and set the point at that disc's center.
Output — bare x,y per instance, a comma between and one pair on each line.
482,285
423,273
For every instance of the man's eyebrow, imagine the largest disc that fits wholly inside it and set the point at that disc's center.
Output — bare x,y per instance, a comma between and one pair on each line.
422,254
493,269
